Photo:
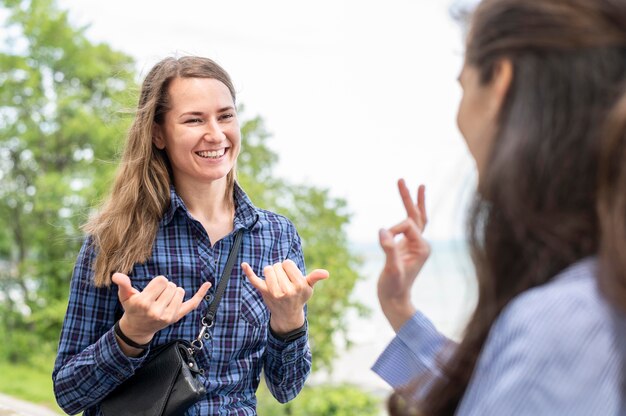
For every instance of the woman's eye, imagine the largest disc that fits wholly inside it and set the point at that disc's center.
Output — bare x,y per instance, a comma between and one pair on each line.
227,116
193,120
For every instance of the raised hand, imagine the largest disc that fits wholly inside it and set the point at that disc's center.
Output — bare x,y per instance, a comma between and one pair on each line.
159,305
285,291
404,258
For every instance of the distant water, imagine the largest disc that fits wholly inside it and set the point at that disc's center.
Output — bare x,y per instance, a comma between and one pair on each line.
445,291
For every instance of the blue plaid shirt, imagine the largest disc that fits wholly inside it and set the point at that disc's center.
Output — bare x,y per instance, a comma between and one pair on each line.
90,364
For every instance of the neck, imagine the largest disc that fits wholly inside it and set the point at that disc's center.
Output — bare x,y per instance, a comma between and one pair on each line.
207,201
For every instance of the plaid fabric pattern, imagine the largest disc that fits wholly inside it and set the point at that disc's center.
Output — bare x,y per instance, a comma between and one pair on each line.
90,363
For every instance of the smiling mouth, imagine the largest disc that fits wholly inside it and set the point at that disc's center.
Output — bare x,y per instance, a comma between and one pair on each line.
211,154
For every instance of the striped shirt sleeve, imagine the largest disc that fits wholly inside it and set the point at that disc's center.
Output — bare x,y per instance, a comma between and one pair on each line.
418,346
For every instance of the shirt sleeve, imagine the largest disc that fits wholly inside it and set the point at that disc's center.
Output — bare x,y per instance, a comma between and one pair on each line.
288,364
413,354
546,356
89,362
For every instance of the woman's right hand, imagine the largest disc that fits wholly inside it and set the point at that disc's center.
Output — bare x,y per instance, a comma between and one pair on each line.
159,305
404,259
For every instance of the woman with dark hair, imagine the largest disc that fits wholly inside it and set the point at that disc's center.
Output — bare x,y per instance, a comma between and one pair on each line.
544,116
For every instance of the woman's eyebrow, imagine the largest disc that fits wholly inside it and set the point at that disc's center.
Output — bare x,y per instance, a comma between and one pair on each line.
200,113
192,113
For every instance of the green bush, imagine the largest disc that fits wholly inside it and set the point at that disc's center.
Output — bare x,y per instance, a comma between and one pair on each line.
322,400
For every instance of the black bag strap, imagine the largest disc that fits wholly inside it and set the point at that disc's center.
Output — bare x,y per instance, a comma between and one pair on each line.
221,287
209,317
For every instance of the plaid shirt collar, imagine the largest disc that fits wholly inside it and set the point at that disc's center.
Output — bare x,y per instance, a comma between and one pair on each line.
246,214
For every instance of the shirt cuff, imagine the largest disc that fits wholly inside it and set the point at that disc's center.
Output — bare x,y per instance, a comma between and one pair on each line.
112,359
287,352
414,352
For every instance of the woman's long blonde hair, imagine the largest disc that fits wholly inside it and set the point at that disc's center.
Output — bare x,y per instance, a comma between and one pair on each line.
124,229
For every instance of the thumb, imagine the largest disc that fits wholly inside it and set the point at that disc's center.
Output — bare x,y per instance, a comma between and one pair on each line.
125,290
317,275
389,247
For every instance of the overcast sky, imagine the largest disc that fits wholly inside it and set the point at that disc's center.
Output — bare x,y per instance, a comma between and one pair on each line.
355,93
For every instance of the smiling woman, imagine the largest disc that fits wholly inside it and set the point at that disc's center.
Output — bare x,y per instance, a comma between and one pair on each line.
201,108
163,239
199,132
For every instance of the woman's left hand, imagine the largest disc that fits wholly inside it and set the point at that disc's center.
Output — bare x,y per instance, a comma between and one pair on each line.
403,259
285,291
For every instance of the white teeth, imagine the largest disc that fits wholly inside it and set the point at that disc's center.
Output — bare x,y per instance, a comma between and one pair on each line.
214,154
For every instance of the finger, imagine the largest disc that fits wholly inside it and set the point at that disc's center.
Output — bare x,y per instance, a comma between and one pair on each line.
125,289
166,296
405,194
407,227
193,303
270,280
421,206
391,253
282,280
317,275
294,274
254,280
155,287
172,309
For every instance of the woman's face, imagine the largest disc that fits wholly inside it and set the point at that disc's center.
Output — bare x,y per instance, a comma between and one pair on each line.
477,116
200,133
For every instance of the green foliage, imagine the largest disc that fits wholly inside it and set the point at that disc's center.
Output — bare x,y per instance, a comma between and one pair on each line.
59,107
322,400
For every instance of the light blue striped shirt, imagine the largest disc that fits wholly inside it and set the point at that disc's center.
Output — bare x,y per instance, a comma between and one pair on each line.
557,349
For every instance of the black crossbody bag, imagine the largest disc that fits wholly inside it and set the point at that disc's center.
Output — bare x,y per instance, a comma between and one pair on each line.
167,384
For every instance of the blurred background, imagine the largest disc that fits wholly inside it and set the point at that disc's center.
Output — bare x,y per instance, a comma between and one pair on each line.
338,98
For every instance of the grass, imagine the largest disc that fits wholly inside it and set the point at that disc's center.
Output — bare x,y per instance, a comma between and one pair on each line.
28,383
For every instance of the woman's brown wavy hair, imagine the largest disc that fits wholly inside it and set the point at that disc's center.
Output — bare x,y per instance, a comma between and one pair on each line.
124,229
554,189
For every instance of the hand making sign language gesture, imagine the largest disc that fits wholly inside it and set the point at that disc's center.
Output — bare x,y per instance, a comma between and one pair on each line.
159,305
285,291
404,258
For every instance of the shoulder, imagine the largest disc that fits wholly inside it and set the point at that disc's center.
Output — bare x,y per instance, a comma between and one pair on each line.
570,302
278,232
551,351
87,253
259,219
562,321
274,220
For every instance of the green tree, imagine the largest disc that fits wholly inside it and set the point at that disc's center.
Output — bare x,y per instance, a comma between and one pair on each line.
60,125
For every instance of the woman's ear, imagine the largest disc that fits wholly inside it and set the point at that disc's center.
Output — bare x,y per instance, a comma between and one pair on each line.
501,82
157,136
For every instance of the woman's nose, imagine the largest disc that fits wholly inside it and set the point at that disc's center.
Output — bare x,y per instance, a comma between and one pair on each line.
213,131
